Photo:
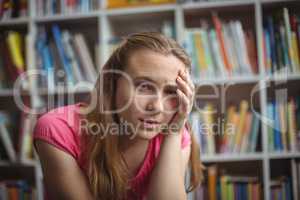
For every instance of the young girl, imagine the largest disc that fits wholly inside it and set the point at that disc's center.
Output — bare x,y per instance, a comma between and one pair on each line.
132,140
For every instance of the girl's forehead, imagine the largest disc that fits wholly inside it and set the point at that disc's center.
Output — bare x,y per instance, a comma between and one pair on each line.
155,66
156,75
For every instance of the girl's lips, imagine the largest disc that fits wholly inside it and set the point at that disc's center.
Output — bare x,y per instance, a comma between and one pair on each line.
147,123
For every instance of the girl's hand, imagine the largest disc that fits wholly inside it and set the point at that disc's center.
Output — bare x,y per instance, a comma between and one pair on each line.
185,92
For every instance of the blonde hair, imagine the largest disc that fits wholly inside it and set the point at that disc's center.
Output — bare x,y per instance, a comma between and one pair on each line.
106,168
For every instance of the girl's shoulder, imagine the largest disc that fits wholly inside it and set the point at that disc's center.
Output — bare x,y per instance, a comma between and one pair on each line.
60,127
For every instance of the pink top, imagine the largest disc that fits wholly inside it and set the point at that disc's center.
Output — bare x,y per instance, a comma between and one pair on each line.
60,127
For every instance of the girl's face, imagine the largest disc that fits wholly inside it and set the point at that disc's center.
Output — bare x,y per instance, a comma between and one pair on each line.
147,97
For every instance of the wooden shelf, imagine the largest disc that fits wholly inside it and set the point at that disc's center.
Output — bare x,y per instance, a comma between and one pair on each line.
217,4
14,21
234,157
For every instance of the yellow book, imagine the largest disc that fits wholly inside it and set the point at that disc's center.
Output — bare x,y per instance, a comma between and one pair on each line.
250,190
200,53
212,182
246,133
244,105
208,121
15,49
292,125
223,181
258,191
295,50
197,43
227,133
283,124
234,126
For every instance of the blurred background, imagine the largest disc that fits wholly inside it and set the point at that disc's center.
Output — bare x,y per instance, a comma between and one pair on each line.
245,64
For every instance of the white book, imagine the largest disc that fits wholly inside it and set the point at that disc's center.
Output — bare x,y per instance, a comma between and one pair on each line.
27,143
246,67
85,58
288,31
3,191
217,54
237,33
167,29
228,40
97,56
188,43
6,140
66,39
207,51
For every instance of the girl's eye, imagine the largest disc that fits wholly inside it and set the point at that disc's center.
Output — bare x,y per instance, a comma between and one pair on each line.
171,92
144,87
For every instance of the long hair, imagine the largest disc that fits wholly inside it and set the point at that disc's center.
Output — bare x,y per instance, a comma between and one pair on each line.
106,168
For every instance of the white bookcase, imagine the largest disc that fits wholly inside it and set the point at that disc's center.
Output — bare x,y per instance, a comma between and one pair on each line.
105,23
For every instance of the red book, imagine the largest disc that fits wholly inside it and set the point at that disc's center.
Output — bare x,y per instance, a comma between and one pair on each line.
218,26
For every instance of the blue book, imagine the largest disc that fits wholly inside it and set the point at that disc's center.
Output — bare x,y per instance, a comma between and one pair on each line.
218,190
254,133
288,189
48,61
270,117
277,135
285,48
270,27
62,54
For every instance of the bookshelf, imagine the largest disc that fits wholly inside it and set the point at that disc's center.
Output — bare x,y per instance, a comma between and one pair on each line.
101,25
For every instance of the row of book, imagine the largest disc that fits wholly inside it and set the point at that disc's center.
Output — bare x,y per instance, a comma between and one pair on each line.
16,190
62,52
222,50
238,133
16,144
283,126
228,187
12,57
52,7
281,188
282,42
13,9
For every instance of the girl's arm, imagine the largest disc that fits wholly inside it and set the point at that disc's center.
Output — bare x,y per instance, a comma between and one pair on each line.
62,176
167,179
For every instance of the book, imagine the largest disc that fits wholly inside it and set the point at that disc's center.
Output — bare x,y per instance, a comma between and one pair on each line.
283,130
85,59
62,54
52,7
6,138
225,49
15,45
13,9
237,133
281,41
222,185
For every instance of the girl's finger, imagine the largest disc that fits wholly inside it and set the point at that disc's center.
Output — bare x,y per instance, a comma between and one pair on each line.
183,86
187,78
183,101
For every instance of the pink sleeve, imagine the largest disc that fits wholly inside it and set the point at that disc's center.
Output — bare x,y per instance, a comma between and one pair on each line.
56,131
186,138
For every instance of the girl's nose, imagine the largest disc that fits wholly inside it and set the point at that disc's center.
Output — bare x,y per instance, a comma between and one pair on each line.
154,105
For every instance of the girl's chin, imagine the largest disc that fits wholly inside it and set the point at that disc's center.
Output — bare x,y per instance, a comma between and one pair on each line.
147,134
